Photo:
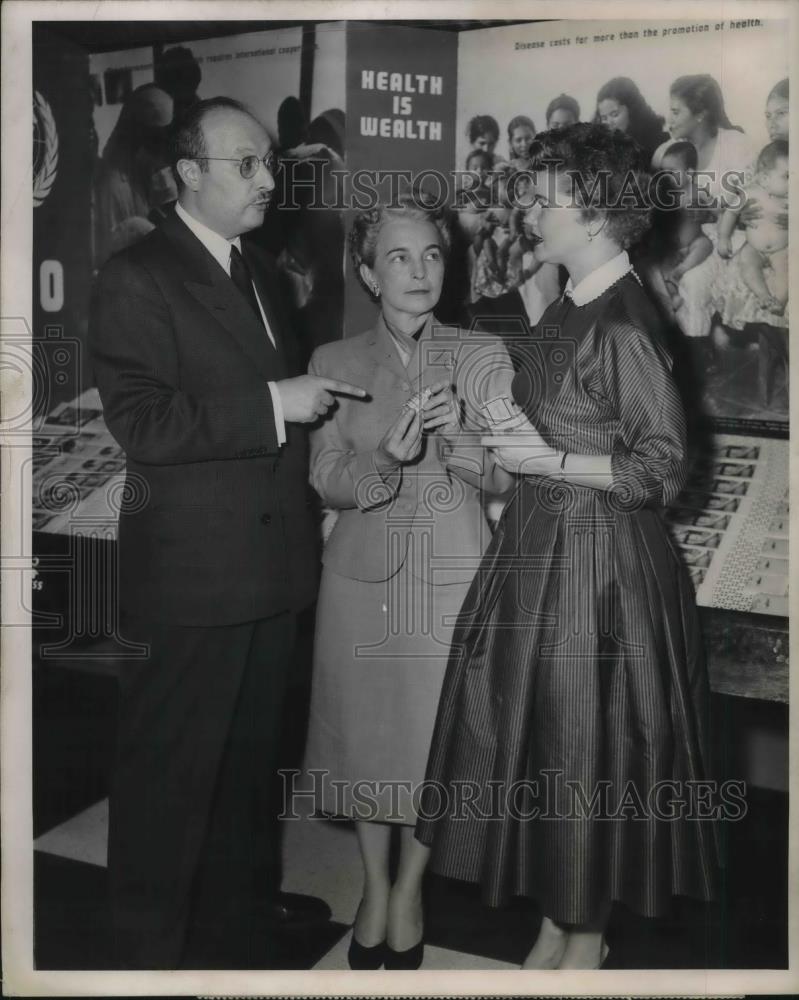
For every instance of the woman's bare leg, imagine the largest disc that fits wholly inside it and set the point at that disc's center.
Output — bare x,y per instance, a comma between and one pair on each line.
586,947
752,274
371,919
778,278
405,916
549,947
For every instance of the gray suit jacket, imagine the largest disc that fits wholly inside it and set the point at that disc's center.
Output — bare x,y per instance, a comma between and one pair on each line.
427,512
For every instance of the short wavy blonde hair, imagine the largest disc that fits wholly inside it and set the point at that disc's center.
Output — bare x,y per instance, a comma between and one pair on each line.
367,225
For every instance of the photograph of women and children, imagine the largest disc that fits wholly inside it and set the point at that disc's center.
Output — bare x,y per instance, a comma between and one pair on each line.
707,102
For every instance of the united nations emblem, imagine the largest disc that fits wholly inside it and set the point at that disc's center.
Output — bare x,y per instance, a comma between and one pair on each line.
45,149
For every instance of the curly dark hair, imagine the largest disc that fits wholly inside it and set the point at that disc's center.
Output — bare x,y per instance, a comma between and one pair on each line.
486,159
604,167
482,125
178,73
646,127
367,225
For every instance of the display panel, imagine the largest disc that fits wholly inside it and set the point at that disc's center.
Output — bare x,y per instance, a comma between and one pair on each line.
731,523
78,470
735,339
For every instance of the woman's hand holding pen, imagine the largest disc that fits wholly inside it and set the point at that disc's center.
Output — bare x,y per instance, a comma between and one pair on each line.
434,408
402,442
440,410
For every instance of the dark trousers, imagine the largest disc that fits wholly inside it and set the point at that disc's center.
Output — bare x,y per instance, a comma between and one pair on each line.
192,852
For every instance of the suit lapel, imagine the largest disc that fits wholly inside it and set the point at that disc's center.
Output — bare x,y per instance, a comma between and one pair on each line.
385,350
416,360
438,350
434,355
208,283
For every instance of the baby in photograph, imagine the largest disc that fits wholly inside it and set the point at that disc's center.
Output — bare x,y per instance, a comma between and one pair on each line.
520,264
492,239
764,255
500,243
478,169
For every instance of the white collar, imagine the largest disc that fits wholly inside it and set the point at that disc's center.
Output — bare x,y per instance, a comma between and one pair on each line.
599,280
218,246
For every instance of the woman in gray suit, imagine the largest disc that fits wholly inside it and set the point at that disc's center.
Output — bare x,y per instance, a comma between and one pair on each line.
404,469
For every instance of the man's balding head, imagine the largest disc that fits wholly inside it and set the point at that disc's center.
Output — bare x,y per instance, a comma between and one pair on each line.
208,143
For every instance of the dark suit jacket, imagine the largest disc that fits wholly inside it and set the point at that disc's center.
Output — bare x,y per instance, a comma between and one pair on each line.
217,523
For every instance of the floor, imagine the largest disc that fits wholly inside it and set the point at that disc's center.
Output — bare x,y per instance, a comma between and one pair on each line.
746,928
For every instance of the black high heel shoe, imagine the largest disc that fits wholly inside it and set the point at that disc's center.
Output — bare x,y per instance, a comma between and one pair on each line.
411,958
360,957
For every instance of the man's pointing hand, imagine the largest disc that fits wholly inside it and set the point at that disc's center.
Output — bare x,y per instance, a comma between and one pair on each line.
308,397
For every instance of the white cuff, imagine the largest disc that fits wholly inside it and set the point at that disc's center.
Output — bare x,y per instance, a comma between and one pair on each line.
277,407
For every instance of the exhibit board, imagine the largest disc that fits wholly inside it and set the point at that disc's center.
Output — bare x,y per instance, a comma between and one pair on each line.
518,69
329,87
401,94
259,68
731,523
62,166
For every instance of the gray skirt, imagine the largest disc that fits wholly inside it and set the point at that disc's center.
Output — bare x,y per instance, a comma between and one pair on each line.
381,650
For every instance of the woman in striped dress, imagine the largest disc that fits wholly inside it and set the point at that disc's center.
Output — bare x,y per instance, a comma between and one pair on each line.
572,717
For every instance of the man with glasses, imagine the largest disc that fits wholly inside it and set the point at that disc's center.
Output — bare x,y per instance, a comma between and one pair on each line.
195,365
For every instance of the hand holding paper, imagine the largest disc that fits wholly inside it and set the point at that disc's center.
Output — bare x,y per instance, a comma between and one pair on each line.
518,447
440,409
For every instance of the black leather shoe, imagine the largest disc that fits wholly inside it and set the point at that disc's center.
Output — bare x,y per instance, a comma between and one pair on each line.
412,958
290,909
361,957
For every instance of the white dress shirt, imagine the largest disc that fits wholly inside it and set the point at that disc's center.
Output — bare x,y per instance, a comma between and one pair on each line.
599,280
220,248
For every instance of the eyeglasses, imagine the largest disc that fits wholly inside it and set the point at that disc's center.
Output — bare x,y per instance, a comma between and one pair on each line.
248,165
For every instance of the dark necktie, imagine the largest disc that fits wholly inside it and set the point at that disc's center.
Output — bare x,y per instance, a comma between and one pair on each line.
242,279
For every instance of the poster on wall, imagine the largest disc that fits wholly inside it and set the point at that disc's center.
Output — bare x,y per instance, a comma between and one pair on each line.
62,158
137,97
402,89
663,81
139,93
